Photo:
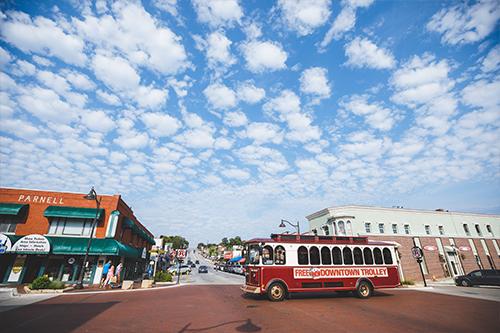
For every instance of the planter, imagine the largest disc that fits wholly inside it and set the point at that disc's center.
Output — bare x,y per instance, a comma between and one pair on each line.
127,284
46,291
147,283
159,284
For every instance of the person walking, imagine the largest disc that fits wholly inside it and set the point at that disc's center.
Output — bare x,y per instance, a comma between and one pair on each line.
109,276
119,272
104,274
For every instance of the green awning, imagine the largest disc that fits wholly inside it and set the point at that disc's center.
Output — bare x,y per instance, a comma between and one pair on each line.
99,246
129,224
12,209
76,212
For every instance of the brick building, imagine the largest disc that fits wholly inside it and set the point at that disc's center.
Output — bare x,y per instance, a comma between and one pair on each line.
44,232
453,243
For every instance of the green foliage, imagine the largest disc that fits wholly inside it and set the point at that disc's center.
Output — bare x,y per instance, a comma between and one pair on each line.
56,284
162,276
200,246
408,282
178,242
41,282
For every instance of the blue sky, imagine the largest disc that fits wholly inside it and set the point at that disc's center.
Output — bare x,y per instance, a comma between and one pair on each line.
219,118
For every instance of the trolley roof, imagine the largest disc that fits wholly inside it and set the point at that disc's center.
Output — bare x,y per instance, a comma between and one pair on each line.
315,239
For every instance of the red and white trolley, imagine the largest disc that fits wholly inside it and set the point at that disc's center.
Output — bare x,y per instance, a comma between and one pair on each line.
289,263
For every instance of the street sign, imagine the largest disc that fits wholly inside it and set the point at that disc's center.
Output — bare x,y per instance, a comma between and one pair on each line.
181,253
416,252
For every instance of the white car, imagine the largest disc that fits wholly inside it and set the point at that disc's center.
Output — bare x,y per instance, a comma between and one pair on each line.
185,269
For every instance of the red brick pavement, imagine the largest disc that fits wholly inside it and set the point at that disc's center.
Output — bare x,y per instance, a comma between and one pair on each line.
225,309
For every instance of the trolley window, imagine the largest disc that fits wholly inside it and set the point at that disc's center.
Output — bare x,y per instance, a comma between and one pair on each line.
279,255
267,255
337,256
377,254
358,256
387,256
253,254
326,256
347,254
367,253
314,255
303,255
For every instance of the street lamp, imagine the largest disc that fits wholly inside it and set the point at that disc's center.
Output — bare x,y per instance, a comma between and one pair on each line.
92,195
282,225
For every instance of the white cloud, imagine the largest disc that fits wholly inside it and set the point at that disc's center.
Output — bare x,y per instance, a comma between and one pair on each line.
268,160
196,138
492,61
223,143
249,93
150,97
80,81
115,72
263,133
314,81
109,99
42,61
98,121
483,94
132,140
374,114
160,124
218,12
135,33
4,56
46,105
44,36
169,6
218,50
262,56
345,21
466,22
305,16
220,96
361,52
235,119
237,174
287,107
19,128
23,68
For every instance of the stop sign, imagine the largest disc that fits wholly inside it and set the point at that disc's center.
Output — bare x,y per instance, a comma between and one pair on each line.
416,252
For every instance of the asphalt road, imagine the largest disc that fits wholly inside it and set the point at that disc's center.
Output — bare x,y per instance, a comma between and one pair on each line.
223,308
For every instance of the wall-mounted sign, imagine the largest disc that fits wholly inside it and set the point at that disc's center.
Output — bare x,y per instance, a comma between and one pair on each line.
5,244
144,252
40,199
32,244
430,248
17,269
464,248
71,261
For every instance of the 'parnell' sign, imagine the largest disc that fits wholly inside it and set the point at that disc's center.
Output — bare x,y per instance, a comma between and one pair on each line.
40,199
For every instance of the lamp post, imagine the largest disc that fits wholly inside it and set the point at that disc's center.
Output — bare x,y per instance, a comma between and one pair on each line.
91,196
282,225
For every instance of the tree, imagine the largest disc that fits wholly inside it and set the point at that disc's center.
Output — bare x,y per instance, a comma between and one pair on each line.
224,241
200,246
178,242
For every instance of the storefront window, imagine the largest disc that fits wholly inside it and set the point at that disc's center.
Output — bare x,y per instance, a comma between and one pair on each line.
8,223
70,226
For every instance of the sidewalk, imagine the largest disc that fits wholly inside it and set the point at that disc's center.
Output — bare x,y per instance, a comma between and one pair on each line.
10,298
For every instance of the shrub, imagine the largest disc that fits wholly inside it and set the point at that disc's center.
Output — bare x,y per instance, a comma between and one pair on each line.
41,282
408,282
56,284
163,277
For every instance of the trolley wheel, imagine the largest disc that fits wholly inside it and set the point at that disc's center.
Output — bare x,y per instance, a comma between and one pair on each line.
276,292
364,290
465,283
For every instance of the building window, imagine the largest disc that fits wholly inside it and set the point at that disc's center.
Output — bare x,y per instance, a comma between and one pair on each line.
314,255
326,230
8,223
394,228
488,228
368,227
341,226
381,228
348,228
70,226
407,229
427,229
478,230
441,230
466,229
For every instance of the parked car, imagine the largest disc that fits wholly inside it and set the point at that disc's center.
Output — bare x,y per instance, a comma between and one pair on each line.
203,269
490,277
237,269
185,269
193,265
197,262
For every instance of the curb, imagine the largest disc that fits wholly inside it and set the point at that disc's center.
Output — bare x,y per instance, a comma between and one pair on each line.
119,291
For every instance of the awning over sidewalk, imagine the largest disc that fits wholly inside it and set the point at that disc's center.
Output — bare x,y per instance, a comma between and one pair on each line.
236,259
129,224
75,212
99,246
12,209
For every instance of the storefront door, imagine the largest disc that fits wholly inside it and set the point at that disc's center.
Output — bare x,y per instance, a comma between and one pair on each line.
6,261
454,264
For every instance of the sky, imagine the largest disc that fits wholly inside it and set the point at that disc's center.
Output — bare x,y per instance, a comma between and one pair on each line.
219,118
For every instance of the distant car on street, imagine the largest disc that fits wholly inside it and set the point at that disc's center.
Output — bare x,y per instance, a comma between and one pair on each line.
193,265
197,262
486,277
185,269
203,269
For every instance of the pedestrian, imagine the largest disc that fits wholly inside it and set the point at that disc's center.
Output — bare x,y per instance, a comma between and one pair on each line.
109,276
118,272
104,274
